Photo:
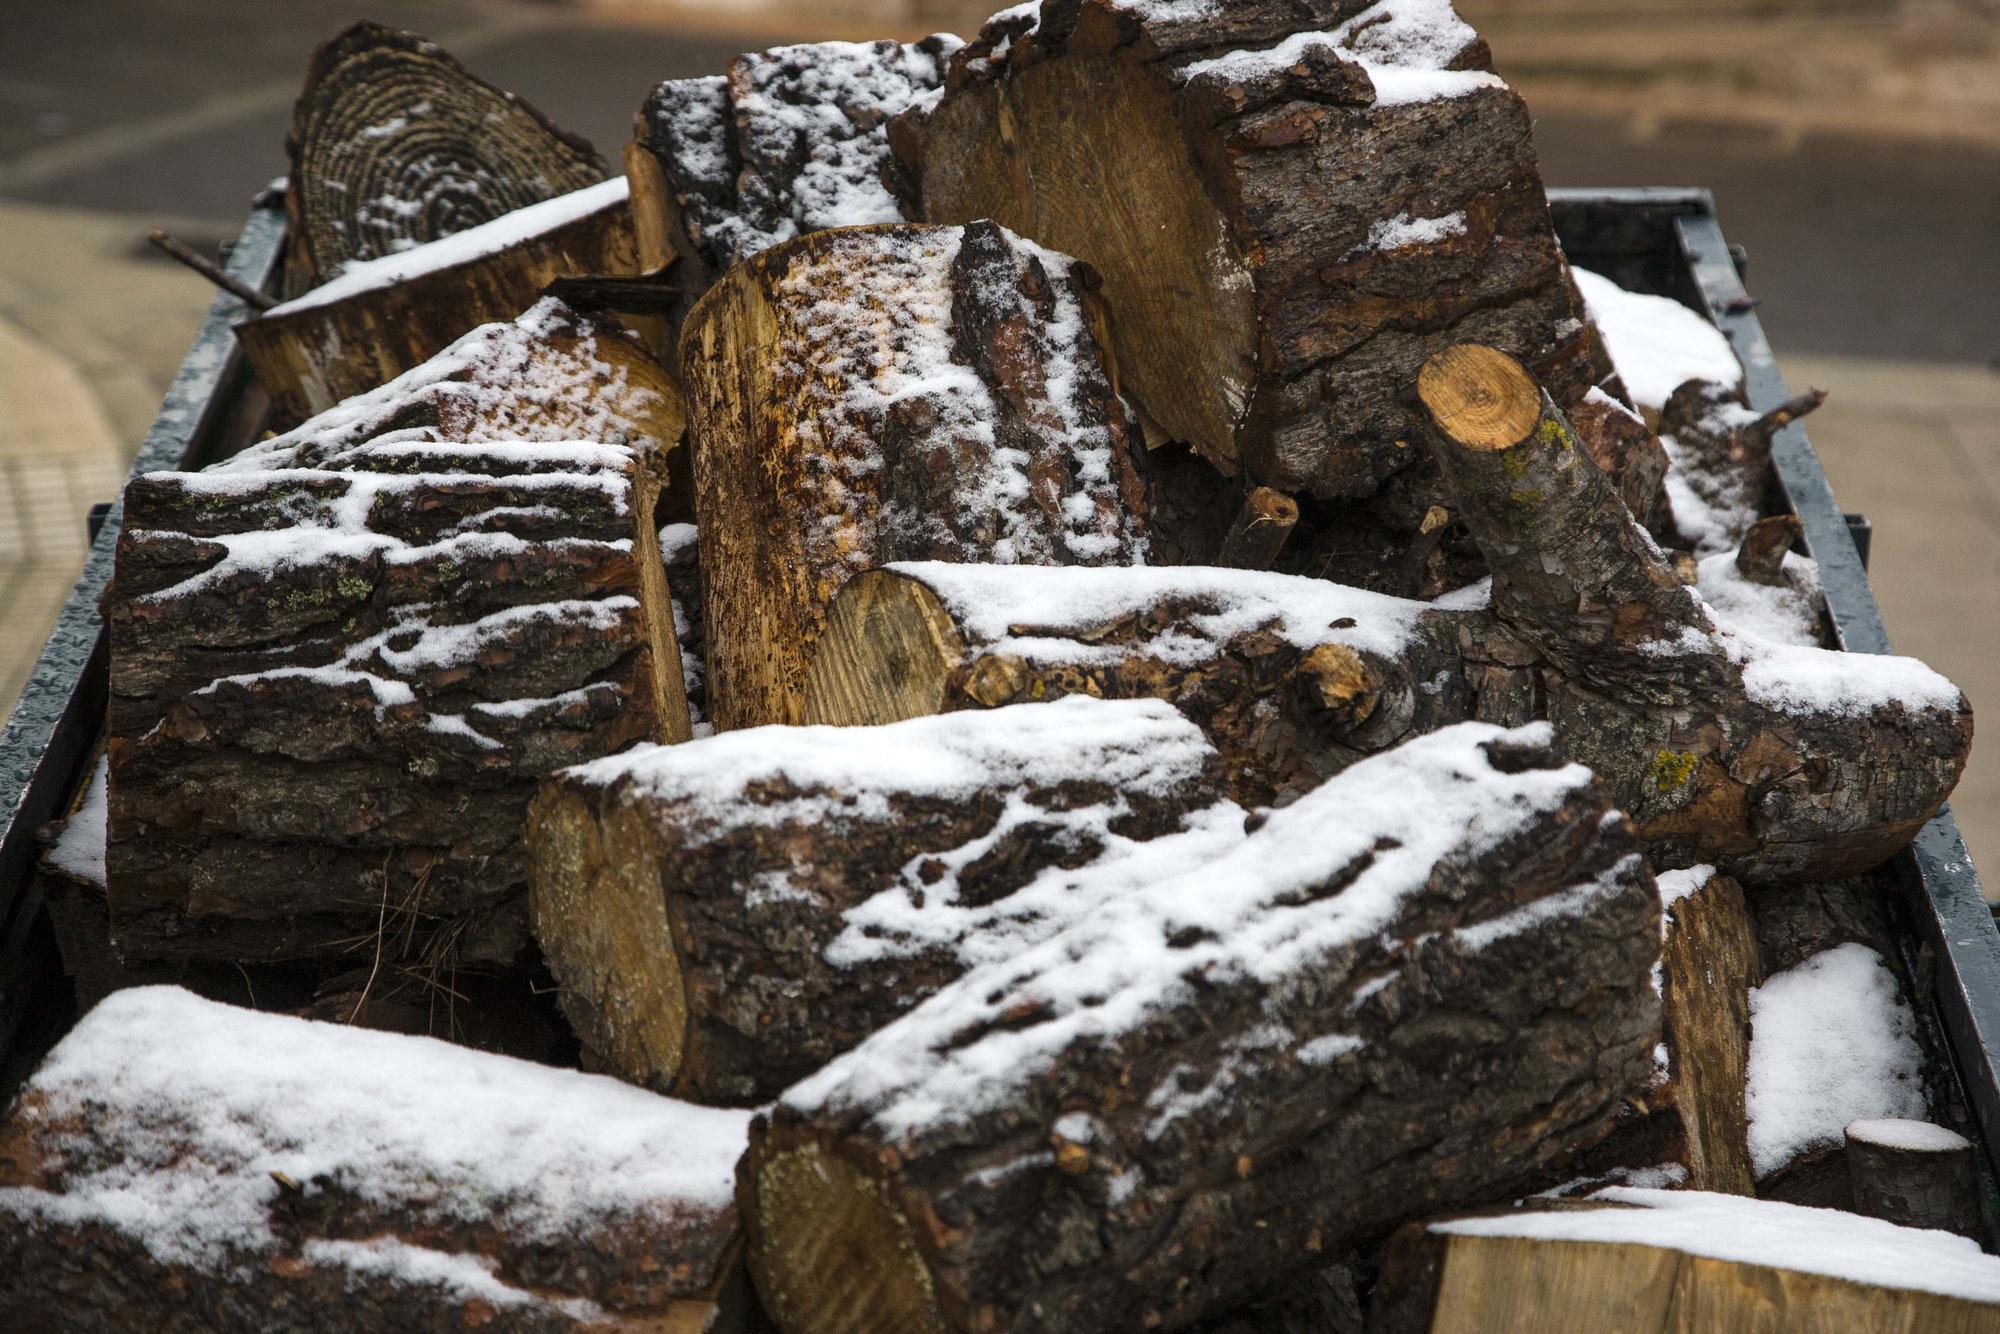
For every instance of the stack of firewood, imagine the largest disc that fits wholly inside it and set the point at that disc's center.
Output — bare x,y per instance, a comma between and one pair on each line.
1083,620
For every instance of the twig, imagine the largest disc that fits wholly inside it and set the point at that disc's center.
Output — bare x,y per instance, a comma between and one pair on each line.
210,270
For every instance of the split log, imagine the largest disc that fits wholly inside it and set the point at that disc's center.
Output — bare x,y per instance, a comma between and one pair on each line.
1916,1174
1292,679
1772,762
187,1166
889,393
788,141
1708,963
1663,1262
495,401
1420,983
1259,532
393,144
382,317
1288,222
1723,451
724,917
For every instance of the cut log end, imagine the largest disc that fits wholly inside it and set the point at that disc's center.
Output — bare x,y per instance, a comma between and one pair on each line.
1480,397
885,654
603,924
834,1252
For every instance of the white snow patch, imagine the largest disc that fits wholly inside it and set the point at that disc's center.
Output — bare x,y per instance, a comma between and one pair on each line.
1907,1135
1783,613
79,850
1831,1042
1655,342
1404,45
1847,685
1741,1230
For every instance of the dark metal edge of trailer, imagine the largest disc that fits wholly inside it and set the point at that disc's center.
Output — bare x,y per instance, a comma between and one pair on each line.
1666,241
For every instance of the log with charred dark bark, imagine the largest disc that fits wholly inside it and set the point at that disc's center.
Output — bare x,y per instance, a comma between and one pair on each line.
341,661
371,175
381,319
725,916
180,1165
1770,761
890,393
1420,983
788,141
1270,296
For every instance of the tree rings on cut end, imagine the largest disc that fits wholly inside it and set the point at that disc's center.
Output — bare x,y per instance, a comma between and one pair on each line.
884,656
601,917
831,1251
1480,397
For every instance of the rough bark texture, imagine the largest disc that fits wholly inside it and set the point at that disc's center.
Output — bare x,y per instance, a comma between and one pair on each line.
310,357
1283,237
1915,1174
1726,454
370,176
1132,1158
1619,441
889,393
1434,1282
788,141
337,1252
342,661
1708,963
698,903
1284,691
1772,763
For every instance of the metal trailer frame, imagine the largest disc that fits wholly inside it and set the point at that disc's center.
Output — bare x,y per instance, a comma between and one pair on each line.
1666,241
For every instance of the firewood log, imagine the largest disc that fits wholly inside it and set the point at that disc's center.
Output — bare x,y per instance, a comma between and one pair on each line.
1417,984
1663,1262
1916,1174
1292,679
1287,221
1725,453
867,395
725,916
1620,442
381,318
337,674
1769,761
788,141
394,144
1708,963
181,1165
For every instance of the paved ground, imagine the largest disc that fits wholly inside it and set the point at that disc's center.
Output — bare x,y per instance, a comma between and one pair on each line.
1873,256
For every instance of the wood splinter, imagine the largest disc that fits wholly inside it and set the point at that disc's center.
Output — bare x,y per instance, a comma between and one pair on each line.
175,248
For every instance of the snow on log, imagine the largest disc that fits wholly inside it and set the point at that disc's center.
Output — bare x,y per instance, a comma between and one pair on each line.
381,317
1292,679
788,141
1763,759
341,661
1721,452
178,1164
1914,1173
890,393
1288,218
394,144
1659,1262
725,916
1416,985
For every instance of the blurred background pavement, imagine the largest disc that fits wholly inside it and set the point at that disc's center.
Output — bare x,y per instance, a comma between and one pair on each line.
1853,148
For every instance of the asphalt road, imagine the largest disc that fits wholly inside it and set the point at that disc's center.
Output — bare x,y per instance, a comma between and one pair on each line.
176,109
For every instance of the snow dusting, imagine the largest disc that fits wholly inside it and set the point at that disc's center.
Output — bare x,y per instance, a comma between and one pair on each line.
475,243
1907,1135
195,1109
1830,1242
1847,685
1404,45
1656,343
78,851
1786,612
1831,1041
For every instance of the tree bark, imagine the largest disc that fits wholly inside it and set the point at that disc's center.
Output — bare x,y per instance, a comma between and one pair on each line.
1915,1174
1259,532
863,396
723,917
335,681
1773,763
363,1245
311,356
1708,963
1171,1111
1288,222
371,176
788,141
1727,455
